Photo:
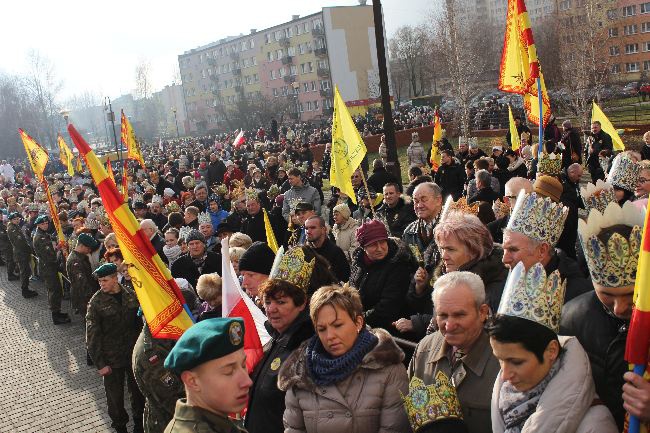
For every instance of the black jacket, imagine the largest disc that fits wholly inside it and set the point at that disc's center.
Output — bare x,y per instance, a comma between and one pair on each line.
576,283
397,217
253,226
381,177
336,257
572,144
496,228
383,284
158,243
603,336
645,152
484,194
216,170
184,267
266,402
450,178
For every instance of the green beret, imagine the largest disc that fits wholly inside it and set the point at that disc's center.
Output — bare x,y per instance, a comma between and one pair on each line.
207,340
41,219
14,215
87,240
105,270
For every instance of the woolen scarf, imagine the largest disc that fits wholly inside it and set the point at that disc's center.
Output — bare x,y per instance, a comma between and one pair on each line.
516,407
325,370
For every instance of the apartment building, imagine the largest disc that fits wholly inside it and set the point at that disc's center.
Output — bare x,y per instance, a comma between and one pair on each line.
300,60
628,47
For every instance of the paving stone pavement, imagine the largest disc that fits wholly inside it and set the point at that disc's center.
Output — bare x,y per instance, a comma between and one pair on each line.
45,384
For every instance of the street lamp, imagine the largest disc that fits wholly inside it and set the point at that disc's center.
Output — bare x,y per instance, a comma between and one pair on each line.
295,87
110,116
66,114
175,121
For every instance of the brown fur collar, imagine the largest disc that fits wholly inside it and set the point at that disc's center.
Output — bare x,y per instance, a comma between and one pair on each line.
294,370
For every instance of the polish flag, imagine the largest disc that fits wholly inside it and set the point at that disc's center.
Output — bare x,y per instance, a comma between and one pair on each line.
236,303
239,140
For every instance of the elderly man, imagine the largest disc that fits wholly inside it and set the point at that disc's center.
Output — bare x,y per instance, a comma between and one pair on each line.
571,193
150,229
317,238
521,244
512,189
197,261
299,192
253,224
461,347
255,266
191,217
200,197
207,230
484,189
110,342
395,211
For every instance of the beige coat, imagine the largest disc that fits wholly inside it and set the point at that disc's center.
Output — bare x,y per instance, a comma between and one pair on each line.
566,404
473,380
345,236
368,401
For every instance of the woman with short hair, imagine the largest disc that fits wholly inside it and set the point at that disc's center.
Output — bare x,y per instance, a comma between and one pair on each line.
208,287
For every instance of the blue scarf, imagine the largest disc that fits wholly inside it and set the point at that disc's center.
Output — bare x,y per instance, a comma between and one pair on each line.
325,370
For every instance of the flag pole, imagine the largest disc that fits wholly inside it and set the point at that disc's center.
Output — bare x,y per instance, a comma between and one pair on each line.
634,425
540,102
365,185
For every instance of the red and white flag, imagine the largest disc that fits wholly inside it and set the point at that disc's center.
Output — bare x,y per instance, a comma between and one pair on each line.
239,140
236,303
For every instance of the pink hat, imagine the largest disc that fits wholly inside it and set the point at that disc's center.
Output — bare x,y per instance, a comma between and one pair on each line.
371,232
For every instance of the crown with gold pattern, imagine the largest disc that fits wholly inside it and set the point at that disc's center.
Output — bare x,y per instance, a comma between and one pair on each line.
597,196
238,189
500,209
102,216
251,194
614,263
292,267
624,173
425,404
204,218
549,164
534,296
459,206
537,217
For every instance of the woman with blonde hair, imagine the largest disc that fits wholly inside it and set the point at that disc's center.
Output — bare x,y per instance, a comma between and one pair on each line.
208,287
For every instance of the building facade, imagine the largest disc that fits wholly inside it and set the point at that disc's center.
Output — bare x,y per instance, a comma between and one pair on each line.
296,64
628,34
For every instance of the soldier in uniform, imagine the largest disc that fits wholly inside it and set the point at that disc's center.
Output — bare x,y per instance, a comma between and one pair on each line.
48,268
112,328
7,252
160,387
209,358
80,273
22,253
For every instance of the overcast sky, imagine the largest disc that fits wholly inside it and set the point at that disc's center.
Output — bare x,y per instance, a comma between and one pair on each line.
96,45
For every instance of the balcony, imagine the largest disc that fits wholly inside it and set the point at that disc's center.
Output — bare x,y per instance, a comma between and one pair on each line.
323,72
289,78
284,42
318,31
320,52
326,93
286,60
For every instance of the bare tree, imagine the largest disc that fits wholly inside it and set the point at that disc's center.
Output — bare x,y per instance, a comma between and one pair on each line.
43,88
410,48
143,80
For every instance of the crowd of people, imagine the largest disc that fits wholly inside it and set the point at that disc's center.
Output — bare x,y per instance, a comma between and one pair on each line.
493,294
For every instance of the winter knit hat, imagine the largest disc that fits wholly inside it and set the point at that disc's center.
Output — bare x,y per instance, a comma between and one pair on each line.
194,235
343,209
371,232
257,258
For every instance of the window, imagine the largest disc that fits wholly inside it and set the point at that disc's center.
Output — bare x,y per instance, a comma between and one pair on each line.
275,92
313,86
612,14
201,58
267,38
291,51
316,105
646,65
285,90
209,72
632,29
302,68
305,87
302,48
273,74
278,35
317,23
298,30
310,67
645,27
327,103
301,108
631,48
614,51
629,11
646,46
565,5
281,72
322,64
243,46
253,61
245,63
305,27
645,8
279,54
308,46
251,44
293,70
248,79
269,56
289,32
325,85
613,32
632,67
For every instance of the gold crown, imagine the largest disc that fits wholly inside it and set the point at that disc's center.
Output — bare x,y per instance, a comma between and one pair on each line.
613,264
624,173
533,295
597,196
251,194
538,218
500,209
425,404
204,218
549,164
292,267
460,206
172,206
238,189
220,189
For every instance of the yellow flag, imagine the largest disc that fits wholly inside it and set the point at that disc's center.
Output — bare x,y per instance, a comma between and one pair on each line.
65,155
515,140
435,156
348,149
128,140
79,167
270,236
36,155
598,115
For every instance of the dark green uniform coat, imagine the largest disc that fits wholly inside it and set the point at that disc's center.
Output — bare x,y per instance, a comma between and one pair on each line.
48,268
82,283
192,419
22,253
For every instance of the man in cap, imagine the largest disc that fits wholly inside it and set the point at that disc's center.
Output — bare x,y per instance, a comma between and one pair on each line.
255,266
21,251
48,268
197,261
7,252
80,273
210,360
112,328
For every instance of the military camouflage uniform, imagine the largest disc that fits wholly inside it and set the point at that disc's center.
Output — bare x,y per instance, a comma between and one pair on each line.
22,253
160,387
7,251
48,268
190,419
82,283
112,327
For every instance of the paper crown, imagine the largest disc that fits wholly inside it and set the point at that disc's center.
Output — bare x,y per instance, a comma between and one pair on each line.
172,206
425,404
204,218
459,206
597,196
624,173
273,192
534,296
157,199
251,194
188,182
138,198
220,189
184,231
549,164
292,267
614,263
538,218
500,209
91,221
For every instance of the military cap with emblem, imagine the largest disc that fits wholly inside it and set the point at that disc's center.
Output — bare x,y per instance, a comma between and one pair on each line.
41,219
14,215
205,341
105,270
87,240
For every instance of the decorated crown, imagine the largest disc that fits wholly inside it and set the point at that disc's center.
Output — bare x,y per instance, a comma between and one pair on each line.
172,206
549,164
597,196
425,404
538,218
204,218
534,296
500,209
82,205
292,267
273,192
184,231
102,217
238,189
157,199
612,264
251,194
220,189
91,221
458,206
138,198
188,182
624,173
293,202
